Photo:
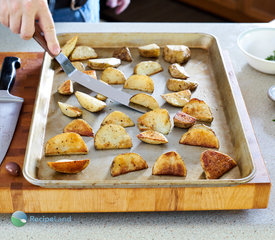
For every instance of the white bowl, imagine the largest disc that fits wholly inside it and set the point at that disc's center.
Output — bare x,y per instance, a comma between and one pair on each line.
257,44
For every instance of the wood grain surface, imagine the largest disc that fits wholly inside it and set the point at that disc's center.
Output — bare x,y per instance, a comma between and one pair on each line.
17,194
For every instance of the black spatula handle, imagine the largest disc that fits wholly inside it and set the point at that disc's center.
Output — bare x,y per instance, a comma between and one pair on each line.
8,72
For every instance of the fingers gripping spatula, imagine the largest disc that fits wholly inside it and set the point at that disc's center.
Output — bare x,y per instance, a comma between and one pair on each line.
85,80
10,105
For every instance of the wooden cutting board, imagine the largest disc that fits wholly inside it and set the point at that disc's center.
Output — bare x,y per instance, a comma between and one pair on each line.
17,194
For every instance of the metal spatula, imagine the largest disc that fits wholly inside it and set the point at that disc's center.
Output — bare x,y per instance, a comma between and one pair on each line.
85,80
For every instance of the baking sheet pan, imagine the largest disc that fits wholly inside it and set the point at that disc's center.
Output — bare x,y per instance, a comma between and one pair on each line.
205,67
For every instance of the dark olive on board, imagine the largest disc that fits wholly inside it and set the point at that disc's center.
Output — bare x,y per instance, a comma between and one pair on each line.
13,168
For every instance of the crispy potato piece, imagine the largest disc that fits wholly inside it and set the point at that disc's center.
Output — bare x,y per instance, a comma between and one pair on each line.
103,63
198,109
145,100
112,136
150,50
79,126
177,85
127,162
90,103
215,163
69,110
177,99
83,53
64,144
140,82
69,166
157,119
178,71
170,163
183,120
91,73
79,66
119,118
66,88
176,53
123,54
200,135
152,137
147,68
69,46
113,76
101,97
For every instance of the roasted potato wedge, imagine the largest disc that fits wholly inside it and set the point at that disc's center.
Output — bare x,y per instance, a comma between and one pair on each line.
69,166
176,53
83,53
90,103
101,97
200,135
112,136
66,143
66,88
157,120
177,85
123,54
152,137
215,163
147,68
118,118
178,71
69,110
127,162
199,109
183,120
140,82
91,73
150,50
145,100
177,99
79,126
69,46
113,76
170,163
79,66
103,63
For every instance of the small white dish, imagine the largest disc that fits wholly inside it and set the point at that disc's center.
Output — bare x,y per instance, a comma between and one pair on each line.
271,93
257,44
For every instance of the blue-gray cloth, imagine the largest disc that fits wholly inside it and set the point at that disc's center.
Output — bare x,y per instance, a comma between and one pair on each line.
88,13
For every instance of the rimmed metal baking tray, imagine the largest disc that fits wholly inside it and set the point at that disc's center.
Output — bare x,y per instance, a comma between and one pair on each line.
206,67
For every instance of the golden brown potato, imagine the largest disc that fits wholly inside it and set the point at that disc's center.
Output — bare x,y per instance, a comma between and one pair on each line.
176,53
66,88
140,82
118,118
101,97
170,163
113,76
79,126
69,110
198,109
178,71
177,99
145,100
215,163
200,135
127,162
123,54
150,50
152,137
183,120
90,103
157,120
69,46
79,66
103,63
66,143
83,53
177,85
112,136
91,73
69,166
147,68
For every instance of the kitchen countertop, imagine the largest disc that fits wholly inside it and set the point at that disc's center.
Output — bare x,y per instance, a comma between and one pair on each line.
238,224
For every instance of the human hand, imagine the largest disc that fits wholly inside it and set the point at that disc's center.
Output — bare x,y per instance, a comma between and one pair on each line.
120,5
20,16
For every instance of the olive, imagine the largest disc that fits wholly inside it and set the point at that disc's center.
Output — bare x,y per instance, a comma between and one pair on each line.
13,168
